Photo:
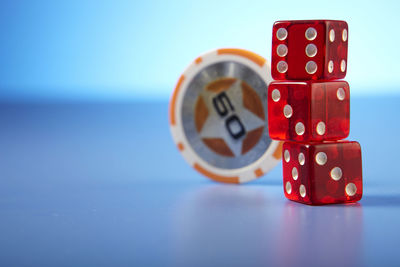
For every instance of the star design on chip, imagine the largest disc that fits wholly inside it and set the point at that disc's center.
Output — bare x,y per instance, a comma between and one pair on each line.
244,103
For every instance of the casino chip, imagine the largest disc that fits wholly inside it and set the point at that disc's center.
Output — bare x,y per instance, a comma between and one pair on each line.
218,116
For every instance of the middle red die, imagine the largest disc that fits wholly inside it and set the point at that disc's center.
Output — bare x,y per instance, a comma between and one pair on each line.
309,49
309,110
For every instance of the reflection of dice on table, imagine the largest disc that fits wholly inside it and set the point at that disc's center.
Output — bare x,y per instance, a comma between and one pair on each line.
307,105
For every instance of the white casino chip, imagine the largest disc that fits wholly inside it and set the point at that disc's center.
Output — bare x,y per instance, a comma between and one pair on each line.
218,116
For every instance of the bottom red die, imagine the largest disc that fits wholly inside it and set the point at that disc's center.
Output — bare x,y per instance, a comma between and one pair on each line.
322,173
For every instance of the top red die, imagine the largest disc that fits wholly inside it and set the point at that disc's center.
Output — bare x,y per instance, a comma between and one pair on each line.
309,49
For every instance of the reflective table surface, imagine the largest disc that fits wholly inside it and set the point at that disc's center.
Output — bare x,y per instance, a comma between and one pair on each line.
102,184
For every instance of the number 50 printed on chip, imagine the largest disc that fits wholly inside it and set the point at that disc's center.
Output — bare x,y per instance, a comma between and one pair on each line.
218,116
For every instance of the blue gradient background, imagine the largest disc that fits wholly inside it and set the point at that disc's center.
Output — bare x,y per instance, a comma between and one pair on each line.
90,176
137,49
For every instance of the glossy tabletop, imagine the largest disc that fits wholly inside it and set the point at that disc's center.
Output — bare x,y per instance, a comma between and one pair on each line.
102,184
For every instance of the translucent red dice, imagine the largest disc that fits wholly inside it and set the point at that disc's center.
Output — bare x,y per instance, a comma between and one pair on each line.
309,110
309,49
322,173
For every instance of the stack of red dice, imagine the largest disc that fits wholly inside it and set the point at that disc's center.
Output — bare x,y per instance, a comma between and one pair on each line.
309,109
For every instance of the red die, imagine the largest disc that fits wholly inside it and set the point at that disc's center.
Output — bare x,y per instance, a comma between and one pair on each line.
308,111
309,49
322,173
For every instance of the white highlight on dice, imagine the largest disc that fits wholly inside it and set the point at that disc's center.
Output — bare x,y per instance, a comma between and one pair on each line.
311,34
320,128
311,50
276,95
281,34
330,66
321,158
295,173
336,173
343,65
344,35
340,94
302,158
287,111
281,50
282,66
302,190
286,155
351,189
332,35
311,67
288,188
299,128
